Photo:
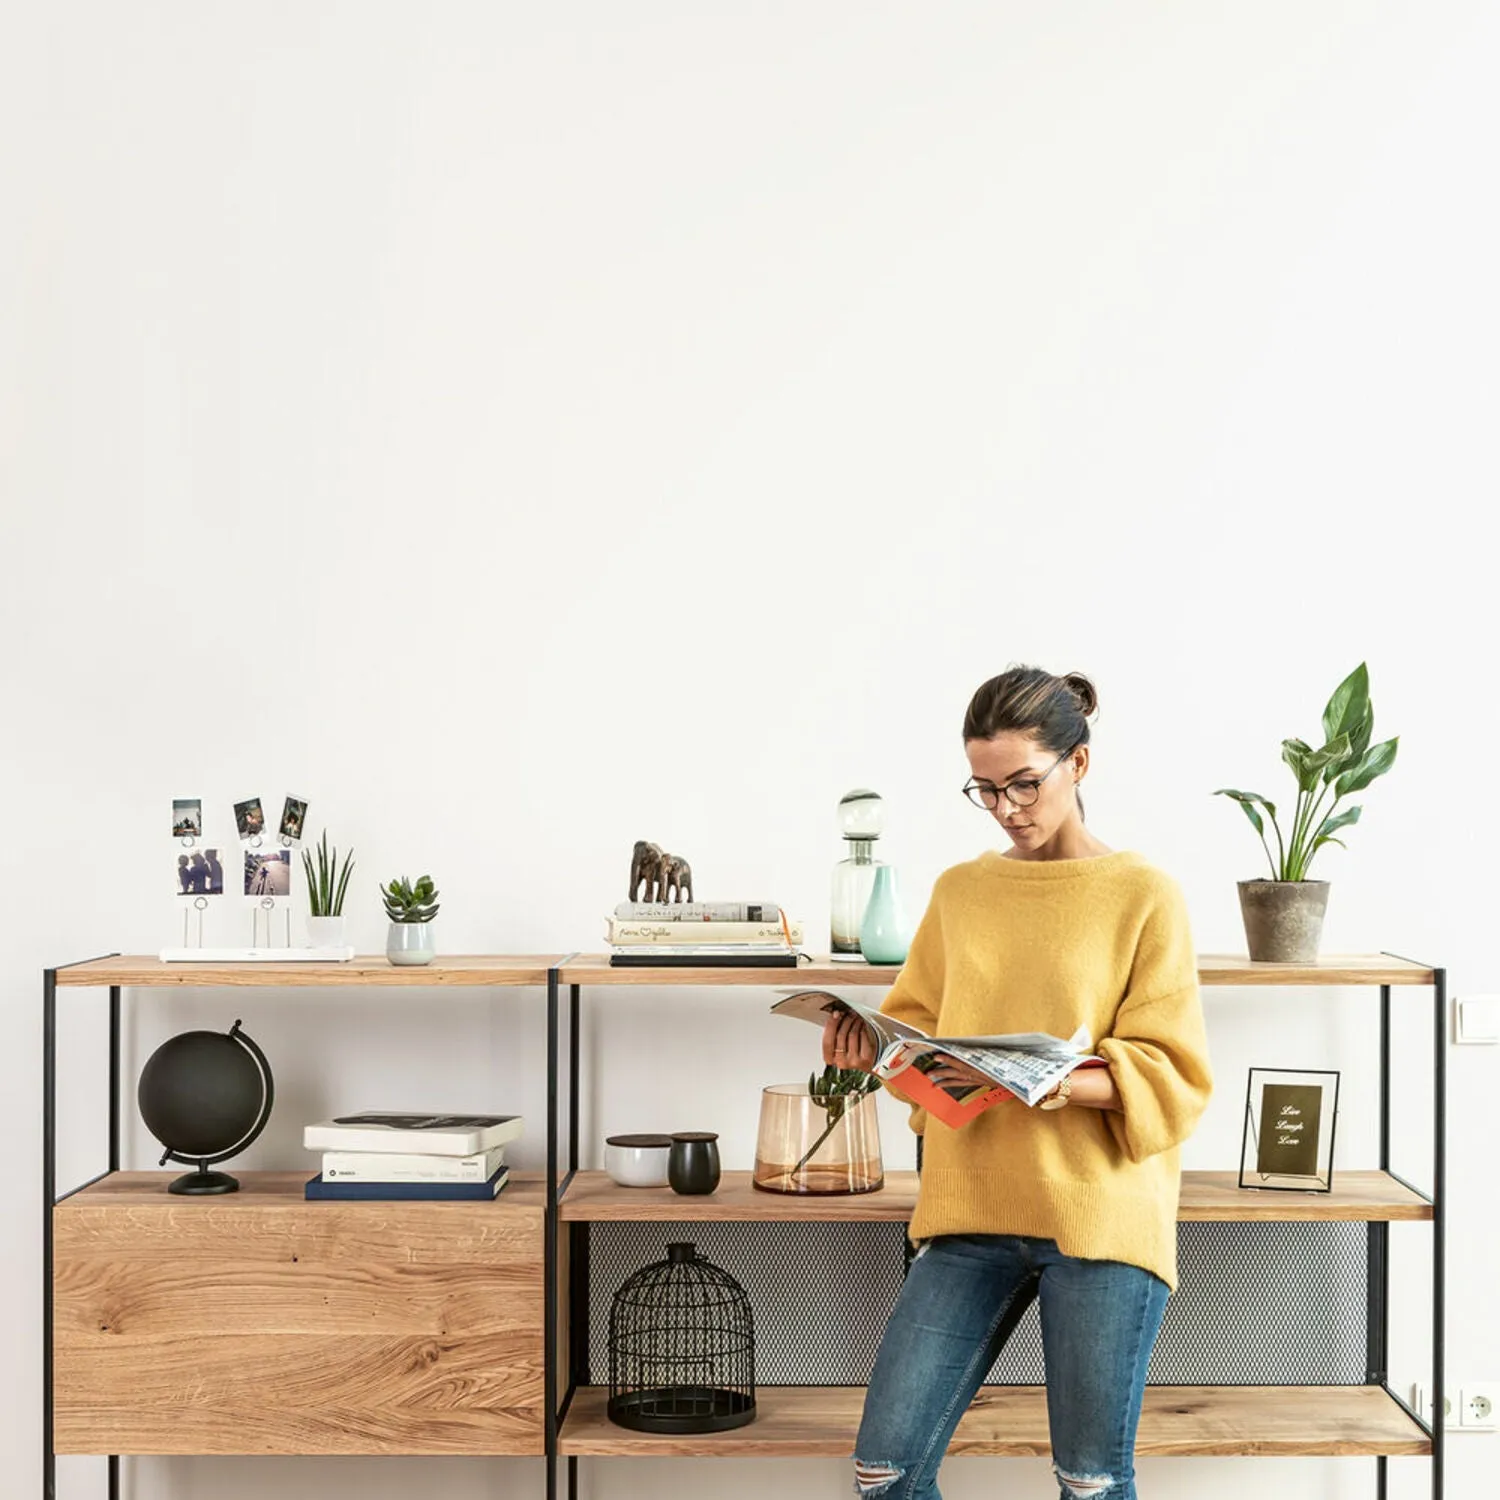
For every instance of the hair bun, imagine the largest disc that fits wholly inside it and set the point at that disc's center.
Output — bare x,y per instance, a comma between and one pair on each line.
1083,690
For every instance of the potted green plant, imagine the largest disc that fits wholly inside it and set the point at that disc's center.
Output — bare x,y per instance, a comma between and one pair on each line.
327,880
410,908
1283,916
799,1145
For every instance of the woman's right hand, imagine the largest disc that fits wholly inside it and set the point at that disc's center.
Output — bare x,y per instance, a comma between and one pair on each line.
847,1042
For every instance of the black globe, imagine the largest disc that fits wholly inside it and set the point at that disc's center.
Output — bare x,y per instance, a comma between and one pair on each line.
205,1095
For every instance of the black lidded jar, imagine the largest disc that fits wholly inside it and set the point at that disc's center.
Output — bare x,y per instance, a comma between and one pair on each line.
693,1163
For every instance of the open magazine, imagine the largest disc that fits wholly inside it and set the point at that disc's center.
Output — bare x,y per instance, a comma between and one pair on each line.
1026,1066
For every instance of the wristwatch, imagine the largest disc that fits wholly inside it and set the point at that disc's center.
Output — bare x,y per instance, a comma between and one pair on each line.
1059,1096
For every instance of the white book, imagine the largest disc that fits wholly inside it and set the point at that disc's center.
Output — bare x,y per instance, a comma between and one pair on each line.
412,1131
399,1166
635,934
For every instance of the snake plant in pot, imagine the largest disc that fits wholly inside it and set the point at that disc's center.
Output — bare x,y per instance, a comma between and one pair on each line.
411,908
1283,916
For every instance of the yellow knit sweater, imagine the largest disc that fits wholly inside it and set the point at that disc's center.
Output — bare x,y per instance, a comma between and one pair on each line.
1049,945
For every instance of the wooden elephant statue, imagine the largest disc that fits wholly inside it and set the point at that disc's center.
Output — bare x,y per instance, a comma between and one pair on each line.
676,879
645,871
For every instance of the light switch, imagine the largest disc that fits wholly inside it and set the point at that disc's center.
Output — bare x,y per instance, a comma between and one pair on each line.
1478,1018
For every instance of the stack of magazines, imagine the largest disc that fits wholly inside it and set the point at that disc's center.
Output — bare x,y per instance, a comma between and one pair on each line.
381,1155
702,934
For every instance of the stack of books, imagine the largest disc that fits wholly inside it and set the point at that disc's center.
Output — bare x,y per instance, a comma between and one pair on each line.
702,934
381,1155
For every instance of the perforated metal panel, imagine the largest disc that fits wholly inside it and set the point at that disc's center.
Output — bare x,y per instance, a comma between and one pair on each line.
1256,1303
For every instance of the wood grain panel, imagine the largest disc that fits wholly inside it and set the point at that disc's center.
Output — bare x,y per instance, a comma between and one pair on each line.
1011,1421
260,1322
466,969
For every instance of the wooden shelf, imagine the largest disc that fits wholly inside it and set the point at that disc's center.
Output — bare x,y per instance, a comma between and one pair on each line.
460,969
594,1197
594,969
821,973
1011,1421
259,1191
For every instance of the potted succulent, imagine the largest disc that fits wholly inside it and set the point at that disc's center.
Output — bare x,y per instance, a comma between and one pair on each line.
327,880
1283,916
410,908
800,1147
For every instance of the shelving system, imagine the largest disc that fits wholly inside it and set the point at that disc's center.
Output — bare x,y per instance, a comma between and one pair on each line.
260,1323
800,1417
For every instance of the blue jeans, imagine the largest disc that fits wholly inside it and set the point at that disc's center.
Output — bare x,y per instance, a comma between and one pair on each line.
963,1296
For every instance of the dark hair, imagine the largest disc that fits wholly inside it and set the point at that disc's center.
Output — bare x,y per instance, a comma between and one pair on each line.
1054,711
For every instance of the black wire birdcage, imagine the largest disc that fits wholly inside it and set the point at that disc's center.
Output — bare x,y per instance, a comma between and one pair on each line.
681,1348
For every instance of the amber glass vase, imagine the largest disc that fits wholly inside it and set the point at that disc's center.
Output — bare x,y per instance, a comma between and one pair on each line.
810,1143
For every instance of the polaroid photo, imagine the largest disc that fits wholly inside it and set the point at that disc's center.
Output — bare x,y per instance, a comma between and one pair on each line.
187,818
200,873
250,818
293,818
268,873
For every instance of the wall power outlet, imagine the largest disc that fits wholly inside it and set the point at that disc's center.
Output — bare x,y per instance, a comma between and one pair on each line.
1476,1406
1473,1407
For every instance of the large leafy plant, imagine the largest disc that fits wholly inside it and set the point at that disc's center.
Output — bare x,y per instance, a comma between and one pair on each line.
405,902
327,880
1347,763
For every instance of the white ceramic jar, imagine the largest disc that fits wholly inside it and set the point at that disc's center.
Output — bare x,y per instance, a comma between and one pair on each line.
638,1160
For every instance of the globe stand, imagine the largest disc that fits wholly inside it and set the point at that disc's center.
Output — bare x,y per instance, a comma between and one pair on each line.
204,1181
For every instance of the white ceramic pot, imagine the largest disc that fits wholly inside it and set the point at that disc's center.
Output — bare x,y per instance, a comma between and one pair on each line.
410,943
325,932
638,1160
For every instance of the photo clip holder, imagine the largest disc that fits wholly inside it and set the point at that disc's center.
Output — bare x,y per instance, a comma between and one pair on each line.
198,904
267,908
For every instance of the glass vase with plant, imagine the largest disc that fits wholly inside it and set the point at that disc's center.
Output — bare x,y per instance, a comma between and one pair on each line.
823,1137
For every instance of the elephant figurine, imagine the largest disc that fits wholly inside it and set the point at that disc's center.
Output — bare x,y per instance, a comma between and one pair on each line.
657,876
676,879
645,871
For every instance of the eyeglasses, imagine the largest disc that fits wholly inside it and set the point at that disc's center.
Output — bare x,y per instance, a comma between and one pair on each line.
1018,793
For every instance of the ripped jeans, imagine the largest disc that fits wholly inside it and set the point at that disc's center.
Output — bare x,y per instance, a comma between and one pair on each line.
962,1298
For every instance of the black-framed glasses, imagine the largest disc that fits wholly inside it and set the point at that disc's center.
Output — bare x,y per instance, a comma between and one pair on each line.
1019,793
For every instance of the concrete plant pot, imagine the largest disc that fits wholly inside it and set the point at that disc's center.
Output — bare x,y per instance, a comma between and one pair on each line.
1283,919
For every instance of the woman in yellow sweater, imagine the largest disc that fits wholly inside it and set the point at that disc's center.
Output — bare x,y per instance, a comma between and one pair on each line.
1073,1202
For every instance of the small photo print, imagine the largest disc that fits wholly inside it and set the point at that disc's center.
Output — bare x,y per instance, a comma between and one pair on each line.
200,873
187,818
293,816
249,818
268,874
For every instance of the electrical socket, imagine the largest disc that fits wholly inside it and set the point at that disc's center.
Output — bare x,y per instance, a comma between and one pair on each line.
1476,1406
1421,1403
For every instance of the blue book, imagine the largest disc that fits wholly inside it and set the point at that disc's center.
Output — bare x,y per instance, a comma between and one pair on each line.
467,1191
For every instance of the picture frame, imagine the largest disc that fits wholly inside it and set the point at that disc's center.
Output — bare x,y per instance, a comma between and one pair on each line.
1291,1120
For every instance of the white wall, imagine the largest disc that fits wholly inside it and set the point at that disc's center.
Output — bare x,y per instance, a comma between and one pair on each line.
524,429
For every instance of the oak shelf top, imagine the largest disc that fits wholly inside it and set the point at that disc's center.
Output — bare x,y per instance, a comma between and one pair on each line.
137,1192
475,970
1205,1196
1176,1421
822,973
464,969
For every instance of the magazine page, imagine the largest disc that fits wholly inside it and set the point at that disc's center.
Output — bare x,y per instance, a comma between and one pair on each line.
817,1005
1026,1075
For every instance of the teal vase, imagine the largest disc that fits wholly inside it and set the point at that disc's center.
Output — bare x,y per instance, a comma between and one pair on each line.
883,934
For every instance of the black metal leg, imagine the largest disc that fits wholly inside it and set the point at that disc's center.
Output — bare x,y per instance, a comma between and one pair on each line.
114,1078
549,1251
49,1197
1439,1217
573,1078
572,1478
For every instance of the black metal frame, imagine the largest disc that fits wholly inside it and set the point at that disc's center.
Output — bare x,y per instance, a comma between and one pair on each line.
1377,1323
